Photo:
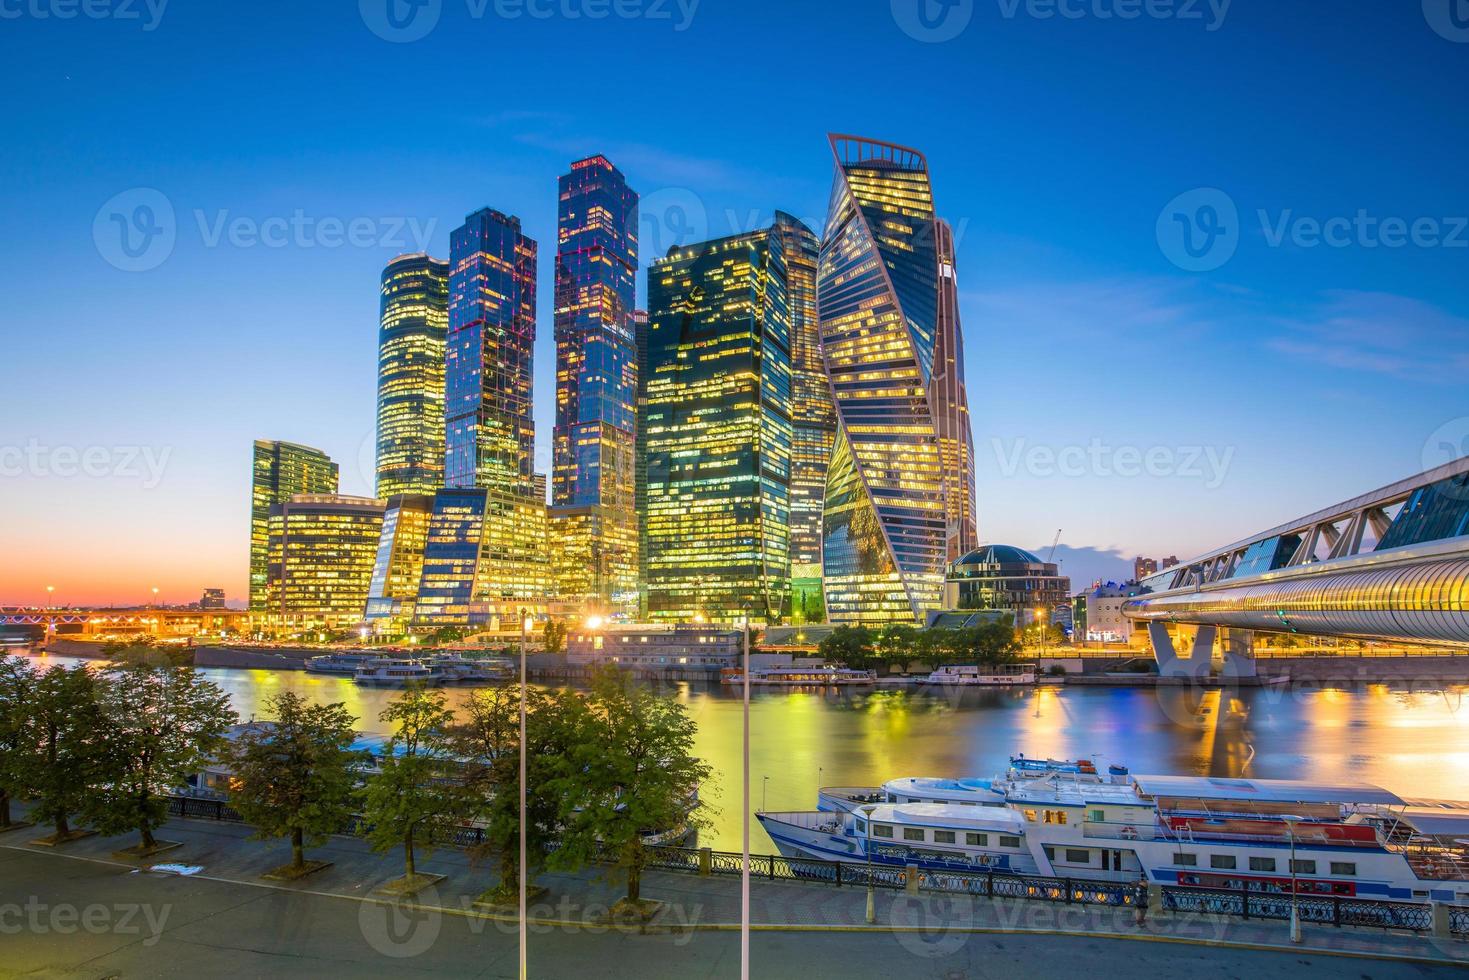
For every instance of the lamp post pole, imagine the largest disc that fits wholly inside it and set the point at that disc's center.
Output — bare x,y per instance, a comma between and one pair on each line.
524,628
1295,909
745,864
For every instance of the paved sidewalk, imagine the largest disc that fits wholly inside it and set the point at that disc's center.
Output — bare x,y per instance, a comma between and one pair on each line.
931,926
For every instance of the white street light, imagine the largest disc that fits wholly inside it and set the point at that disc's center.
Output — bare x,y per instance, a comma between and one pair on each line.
1295,911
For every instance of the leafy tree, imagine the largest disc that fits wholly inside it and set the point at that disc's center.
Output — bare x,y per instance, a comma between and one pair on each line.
18,732
849,645
161,724
295,777
633,773
553,636
66,718
415,793
897,644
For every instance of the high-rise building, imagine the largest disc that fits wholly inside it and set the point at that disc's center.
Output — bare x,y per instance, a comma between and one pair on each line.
1143,567
640,457
813,419
280,470
951,408
593,483
717,430
212,599
484,562
410,375
322,548
889,522
398,566
489,432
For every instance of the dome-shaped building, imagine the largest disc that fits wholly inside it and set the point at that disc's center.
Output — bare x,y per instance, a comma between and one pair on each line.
999,576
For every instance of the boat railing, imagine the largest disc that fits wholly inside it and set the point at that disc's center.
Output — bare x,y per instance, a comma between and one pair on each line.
1198,834
1123,831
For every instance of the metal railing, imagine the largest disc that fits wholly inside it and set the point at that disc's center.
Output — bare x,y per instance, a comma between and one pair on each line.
1325,909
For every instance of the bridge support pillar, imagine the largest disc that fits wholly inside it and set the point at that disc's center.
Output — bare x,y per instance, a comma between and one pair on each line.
1169,662
1239,653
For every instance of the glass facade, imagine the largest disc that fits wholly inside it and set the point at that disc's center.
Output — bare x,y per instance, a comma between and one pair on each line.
322,551
410,375
1008,579
951,408
399,564
593,479
716,427
889,518
484,559
1432,513
489,432
279,471
813,418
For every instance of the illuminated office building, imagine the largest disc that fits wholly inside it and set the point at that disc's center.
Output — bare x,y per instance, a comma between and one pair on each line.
398,567
322,549
410,375
594,517
640,458
889,521
484,562
280,470
951,408
813,419
717,430
489,431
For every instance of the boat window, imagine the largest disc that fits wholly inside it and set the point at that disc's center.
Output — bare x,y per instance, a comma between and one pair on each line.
1030,816
1222,861
1050,852
1343,868
861,827
913,833
1303,867
977,840
943,837
1186,860
1098,816
1008,841
881,830
1078,857
1056,816
1262,864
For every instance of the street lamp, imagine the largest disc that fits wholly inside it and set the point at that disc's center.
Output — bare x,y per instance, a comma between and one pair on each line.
764,787
745,865
1295,910
525,627
155,597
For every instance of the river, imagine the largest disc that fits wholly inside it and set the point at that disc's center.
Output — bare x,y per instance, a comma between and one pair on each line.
1414,741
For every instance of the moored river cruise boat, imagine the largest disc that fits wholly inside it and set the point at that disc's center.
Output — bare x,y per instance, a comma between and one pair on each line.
1067,820
797,676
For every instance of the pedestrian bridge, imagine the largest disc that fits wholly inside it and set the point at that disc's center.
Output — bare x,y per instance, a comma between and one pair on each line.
1388,566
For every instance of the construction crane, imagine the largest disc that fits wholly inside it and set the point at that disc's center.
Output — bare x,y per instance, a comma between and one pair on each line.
1051,558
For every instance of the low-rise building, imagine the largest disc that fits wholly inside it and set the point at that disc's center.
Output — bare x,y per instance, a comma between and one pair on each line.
1097,613
1010,579
657,646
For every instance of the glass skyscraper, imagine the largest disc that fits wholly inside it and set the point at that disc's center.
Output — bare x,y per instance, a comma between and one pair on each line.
594,516
322,549
410,375
484,560
951,409
279,471
885,330
489,433
398,567
813,419
716,427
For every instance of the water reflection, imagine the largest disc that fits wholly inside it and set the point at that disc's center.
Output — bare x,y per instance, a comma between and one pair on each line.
1412,739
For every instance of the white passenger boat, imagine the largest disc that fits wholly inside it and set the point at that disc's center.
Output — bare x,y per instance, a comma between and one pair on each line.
345,664
459,670
1065,819
995,675
389,672
799,676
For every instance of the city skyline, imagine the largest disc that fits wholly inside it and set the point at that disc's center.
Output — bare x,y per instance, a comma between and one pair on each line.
1082,315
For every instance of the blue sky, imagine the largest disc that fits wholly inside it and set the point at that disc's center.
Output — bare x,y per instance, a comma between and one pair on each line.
1139,405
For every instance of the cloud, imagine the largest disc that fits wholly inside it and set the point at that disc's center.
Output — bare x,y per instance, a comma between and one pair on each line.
1379,333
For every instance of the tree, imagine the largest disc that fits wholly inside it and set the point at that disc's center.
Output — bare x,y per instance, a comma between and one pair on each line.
66,718
295,777
415,793
161,724
18,732
633,773
897,644
553,636
849,645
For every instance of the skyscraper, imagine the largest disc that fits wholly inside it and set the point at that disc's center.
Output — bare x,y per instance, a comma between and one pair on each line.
489,433
410,375
717,430
813,419
279,471
951,408
322,548
886,314
594,517
484,560
398,567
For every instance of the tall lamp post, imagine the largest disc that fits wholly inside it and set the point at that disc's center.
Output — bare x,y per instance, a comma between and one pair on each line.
745,864
525,626
1295,908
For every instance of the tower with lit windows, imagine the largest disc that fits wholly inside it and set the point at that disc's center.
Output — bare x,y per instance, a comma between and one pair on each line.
410,375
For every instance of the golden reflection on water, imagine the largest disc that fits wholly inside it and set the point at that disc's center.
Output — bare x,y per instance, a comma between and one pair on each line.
1414,741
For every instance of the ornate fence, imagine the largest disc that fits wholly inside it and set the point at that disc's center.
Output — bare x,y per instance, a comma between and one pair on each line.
1328,910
